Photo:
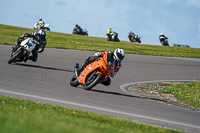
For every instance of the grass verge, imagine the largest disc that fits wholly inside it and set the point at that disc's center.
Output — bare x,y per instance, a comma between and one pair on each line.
17,115
9,35
185,93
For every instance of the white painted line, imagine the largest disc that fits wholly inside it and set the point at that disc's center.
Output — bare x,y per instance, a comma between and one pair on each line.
99,108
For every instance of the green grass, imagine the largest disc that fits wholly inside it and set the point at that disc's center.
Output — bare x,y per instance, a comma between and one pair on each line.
9,35
22,116
186,93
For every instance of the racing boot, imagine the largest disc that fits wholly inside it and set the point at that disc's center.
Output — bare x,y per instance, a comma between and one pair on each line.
26,58
78,69
13,49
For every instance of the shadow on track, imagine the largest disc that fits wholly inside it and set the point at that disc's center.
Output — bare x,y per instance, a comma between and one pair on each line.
126,95
41,67
118,94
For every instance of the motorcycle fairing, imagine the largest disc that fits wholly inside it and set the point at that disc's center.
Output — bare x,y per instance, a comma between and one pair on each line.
31,45
97,66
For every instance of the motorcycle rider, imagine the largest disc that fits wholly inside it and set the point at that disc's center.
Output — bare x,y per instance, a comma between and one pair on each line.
118,56
162,37
41,23
40,37
131,34
78,29
110,32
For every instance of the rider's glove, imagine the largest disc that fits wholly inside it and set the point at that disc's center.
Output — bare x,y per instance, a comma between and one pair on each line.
24,35
20,39
113,75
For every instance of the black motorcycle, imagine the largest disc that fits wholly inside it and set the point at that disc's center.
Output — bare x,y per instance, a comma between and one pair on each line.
76,31
134,38
164,41
113,37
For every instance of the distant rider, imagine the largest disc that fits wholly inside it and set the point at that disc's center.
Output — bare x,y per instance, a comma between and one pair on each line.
41,23
118,56
162,37
110,32
130,35
40,37
78,29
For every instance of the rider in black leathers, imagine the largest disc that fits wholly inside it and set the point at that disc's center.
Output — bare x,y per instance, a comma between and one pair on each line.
79,30
162,37
130,35
40,37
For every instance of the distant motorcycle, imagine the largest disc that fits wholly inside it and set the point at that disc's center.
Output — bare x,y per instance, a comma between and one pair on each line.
164,41
95,73
135,38
23,50
113,37
37,26
76,31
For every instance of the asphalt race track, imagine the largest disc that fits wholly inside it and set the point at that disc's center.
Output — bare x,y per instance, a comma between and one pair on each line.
47,81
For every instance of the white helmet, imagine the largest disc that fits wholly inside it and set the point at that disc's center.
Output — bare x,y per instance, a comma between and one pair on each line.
119,54
161,34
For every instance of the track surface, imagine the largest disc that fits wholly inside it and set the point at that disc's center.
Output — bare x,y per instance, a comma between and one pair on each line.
47,81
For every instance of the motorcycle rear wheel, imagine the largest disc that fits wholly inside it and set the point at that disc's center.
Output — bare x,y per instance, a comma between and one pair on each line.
48,29
92,81
14,57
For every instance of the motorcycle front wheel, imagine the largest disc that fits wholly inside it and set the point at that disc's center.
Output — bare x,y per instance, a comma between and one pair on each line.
15,56
86,34
92,80
74,81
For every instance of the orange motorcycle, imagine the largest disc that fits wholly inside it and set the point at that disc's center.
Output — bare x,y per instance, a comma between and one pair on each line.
94,73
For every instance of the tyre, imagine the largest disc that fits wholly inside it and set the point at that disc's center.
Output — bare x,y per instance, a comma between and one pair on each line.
74,81
106,82
14,57
116,40
92,80
109,39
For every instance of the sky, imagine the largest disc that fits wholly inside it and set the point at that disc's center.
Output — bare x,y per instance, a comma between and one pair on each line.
179,20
